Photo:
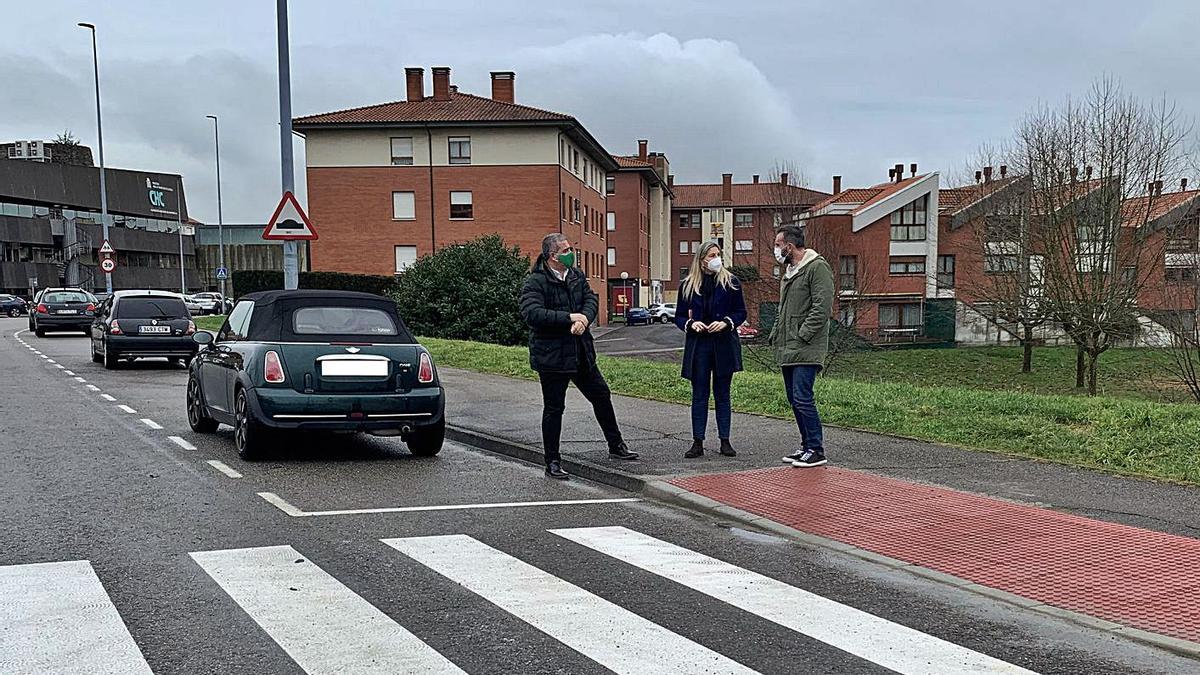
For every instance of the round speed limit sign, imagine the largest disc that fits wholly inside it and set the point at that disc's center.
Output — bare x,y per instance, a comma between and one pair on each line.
108,265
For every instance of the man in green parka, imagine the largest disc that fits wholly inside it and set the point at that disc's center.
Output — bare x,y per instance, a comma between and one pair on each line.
800,336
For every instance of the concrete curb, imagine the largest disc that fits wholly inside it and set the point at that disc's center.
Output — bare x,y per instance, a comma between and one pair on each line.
667,493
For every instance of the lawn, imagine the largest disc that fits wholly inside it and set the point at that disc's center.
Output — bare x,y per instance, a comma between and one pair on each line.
212,323
1115,433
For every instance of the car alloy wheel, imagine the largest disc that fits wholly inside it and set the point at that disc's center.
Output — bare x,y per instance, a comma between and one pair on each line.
14,312
247,435
195,410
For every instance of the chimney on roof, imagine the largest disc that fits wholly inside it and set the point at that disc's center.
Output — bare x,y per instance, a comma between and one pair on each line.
1087,171
837,185
1074,174
978,176
899,172
415,79
1003,170
783,178
987,174
726,187
755,178
1158,187
913,168
441,83
1183,185
892,174
670,181
503,82
643,149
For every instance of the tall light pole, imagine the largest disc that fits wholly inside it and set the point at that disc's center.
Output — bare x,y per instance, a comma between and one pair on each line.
220,219
291,272
100,149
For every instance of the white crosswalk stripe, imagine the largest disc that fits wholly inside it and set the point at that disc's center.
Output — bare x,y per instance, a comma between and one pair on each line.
878,640
57,618
610,635
324,626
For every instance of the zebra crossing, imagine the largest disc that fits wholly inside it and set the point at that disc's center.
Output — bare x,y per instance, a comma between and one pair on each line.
57,617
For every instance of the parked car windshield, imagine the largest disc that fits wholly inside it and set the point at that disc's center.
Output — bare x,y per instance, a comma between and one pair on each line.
151,308
66,296
342,321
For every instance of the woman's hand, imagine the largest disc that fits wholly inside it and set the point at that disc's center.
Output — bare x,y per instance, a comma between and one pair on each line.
717,326
699,327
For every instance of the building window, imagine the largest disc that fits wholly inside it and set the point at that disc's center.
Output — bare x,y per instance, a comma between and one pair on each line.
610,185
907,315
576,207
689,219
906,265
683,247
612,221
848,273
695,246
1181,274
403,206
908,223
683,273
743,220
575,161
405,257
612,256
565,206
945,271
743,245
775,271
461,207
846,316
460,149
402,151
999,264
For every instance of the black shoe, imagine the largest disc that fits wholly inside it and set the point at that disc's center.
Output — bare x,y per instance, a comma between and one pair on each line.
696,450
622,452
727,449
794,456
555,470
810,458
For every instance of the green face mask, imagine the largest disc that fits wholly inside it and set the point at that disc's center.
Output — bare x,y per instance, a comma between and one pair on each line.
567,259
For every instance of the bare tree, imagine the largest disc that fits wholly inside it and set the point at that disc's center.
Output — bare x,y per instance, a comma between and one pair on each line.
1181,314
1095,168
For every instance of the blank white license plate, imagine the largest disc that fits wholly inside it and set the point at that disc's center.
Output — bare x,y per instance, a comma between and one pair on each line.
67,311
154,329
354,368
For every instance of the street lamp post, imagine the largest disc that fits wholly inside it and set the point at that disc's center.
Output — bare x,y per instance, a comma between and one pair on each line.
100,149
291,272
220,218
627,294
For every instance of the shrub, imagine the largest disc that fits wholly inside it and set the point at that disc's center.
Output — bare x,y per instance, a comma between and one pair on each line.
466,292
745,272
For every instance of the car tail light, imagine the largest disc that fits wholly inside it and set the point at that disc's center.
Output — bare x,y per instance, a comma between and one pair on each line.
272,368
91,307
114,328
191,329
425,373
41,308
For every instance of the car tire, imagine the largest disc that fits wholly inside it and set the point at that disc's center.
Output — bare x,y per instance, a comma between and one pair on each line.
198,418
39,332
14,312
110,359
96,358
249,437
427,442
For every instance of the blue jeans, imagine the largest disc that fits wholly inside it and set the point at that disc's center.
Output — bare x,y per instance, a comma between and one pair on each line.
704,381
798,381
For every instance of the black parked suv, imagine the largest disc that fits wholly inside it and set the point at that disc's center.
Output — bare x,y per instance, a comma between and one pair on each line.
62,309
142,324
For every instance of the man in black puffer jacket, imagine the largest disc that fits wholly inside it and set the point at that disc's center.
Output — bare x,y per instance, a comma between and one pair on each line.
559,307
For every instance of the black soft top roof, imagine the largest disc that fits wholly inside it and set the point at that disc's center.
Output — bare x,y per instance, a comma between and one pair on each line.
272,318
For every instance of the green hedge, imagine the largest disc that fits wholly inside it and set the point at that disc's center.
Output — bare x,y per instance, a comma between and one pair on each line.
265,280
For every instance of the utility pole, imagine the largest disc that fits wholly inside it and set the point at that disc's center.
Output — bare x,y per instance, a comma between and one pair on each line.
291,272
179,219
100,149
220,218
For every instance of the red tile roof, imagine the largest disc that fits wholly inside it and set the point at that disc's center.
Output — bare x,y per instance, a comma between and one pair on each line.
1143,210
952,200
632,162
865,197
459,108
744,194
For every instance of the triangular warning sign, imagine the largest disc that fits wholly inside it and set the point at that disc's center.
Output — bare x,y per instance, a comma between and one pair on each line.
106,248
289,222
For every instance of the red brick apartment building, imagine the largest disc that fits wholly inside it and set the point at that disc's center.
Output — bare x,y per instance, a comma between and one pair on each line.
391,182
742,217
639,208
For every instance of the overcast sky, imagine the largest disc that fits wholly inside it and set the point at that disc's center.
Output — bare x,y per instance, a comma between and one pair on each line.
848,87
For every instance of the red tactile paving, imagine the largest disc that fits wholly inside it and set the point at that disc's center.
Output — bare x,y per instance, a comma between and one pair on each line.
1140,578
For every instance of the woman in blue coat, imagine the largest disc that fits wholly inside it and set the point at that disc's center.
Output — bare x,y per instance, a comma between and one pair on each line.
709,310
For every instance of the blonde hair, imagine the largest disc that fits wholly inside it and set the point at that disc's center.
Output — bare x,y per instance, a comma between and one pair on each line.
691,285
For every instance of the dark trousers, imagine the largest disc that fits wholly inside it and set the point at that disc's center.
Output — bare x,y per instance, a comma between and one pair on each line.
591,384
798,380
706,380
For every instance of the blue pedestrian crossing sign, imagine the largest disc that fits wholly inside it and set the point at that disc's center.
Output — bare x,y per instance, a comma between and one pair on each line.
222,274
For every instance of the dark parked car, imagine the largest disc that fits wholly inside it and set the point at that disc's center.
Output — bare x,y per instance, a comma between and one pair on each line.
62,309
638,315
142,324
11,305
315,360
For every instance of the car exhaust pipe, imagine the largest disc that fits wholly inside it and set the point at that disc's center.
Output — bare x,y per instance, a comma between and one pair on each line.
406,430
386,433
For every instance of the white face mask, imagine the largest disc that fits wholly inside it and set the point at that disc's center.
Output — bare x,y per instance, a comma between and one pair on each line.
779,255
714,264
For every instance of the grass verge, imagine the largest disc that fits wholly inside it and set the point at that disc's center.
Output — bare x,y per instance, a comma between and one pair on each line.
212,323
1125,436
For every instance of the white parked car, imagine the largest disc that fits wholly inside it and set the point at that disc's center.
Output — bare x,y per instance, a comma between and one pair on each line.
210,303
664,313
193,304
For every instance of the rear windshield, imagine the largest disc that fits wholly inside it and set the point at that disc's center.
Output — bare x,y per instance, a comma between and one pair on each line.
342,321
151,308
66,296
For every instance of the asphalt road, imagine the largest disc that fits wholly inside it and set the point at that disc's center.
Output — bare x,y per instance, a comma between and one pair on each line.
190,569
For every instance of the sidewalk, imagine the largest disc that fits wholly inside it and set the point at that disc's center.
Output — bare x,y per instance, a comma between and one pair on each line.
1047,537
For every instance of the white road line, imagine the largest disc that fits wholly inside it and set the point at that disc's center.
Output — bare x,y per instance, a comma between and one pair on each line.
107,397
181,443
614,637
151,423
223,468
291,510
127,409
880,641
67,372
80,379
51,361
59,366
45,357
598,341
57,618
324,626
644,351
93,387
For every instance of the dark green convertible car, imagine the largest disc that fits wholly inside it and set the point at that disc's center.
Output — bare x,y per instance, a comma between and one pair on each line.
315,360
